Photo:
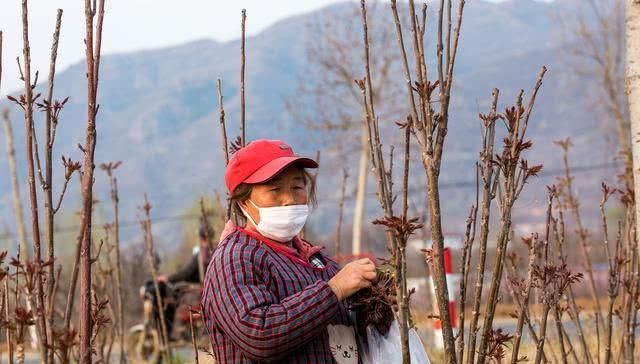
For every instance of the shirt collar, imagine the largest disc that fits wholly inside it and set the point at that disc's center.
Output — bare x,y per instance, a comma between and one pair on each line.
299,247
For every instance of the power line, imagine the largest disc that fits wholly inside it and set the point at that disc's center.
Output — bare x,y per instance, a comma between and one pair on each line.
452,185
446,185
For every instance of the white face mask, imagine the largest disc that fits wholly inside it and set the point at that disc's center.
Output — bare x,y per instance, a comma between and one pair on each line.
280,223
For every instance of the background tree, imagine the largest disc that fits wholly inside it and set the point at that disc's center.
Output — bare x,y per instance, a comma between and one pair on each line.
633,85
334,62
594,32
15,187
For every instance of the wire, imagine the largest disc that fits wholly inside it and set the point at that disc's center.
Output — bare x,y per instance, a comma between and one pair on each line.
446,185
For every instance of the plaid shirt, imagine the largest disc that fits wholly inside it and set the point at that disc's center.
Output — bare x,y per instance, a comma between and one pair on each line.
264,302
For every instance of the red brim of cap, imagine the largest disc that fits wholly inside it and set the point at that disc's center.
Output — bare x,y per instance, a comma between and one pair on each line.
271,169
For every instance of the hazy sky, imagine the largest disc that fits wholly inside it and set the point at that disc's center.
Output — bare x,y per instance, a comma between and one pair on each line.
133,25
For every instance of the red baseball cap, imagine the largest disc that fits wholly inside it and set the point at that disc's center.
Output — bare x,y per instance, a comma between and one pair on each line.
261,160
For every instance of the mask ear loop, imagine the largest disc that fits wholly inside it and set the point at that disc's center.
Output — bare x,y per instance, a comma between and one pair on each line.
246,214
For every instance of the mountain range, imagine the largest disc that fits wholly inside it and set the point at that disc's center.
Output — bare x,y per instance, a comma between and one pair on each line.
158,114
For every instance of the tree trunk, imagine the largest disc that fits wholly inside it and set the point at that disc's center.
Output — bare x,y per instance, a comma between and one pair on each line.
358,210
633,86
17,205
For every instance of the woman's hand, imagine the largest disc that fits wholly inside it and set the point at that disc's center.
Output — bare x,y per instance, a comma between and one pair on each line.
353,277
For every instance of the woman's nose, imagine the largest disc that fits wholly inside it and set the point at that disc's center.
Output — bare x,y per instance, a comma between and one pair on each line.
287,199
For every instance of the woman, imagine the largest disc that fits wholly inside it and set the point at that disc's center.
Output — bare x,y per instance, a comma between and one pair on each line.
269,295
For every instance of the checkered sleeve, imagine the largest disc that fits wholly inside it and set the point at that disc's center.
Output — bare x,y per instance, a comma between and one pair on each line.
251,316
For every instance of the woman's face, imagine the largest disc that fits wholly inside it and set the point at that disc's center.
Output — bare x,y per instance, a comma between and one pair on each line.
286,188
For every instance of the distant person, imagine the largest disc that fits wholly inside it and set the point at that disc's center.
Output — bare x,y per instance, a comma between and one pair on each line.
268,294
191,272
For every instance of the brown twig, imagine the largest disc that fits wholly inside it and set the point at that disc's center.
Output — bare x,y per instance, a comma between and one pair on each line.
432,153
554,279
574,205
47,186
8,332
525,311
33,198
630,273
613,264
574,311
405,64
71,292
401,257
243,140
560,332
488,195
115,200
104,275
225,144
469,238
632,289
34,140
17,337
542,334
523,305
516,172
398,228
193,336
345,176
70,168
148,238
93,47
54,291
418,55
377,158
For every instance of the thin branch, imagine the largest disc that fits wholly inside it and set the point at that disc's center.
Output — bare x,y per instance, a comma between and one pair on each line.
93,48
405,64
9,333
61,197
454,51
225,144
523,306
469,237
34,138
419,61
510,163
148,237
574,205
193,336
488,181
532,100
560,331
48,181
439,51
574,311
243,139
345,176
399,228
115,200
33,198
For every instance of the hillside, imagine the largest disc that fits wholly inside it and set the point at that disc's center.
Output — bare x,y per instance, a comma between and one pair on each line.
158,112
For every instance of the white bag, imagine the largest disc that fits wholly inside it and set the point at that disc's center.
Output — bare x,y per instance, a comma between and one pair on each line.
387,348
